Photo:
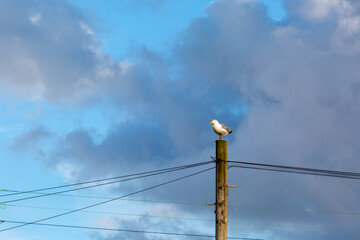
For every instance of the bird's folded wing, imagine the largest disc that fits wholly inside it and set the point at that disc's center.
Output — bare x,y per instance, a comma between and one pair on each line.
225,127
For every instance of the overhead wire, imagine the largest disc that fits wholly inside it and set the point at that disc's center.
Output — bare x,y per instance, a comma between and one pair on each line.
107,201
259,166
126,230
106,179
191,165
112,213
189,234
81,188
97,185
277,209
127,199
256,168
193,219
296,170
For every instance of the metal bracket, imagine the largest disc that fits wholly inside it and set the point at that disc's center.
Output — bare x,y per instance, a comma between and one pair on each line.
230,187
212,205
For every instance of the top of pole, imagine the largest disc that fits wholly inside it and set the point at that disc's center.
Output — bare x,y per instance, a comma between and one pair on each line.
221,150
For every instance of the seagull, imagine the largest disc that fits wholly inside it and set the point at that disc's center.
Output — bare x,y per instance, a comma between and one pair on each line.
220,129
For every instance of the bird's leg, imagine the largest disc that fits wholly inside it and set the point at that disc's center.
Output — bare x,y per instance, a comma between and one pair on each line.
218,137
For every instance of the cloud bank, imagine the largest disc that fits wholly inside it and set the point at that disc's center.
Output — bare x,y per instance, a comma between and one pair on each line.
299,80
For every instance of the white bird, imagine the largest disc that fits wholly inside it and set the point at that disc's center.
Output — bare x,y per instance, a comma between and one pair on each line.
220,129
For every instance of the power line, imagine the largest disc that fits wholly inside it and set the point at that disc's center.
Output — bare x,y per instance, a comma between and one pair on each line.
312,211
127,199
107,201
125,230
192,219
97,185
297,170
202,219
196,204
106,179
297,210
113,213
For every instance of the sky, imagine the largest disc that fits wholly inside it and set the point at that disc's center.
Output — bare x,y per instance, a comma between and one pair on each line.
93,89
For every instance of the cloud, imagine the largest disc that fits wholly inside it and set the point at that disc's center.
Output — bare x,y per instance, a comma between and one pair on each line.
316,10
35,18
164,210
127,144
302,94
50,52
28,141
299,81
148,225
66,170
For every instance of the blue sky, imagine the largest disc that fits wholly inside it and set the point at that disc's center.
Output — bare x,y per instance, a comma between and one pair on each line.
128,25
96,89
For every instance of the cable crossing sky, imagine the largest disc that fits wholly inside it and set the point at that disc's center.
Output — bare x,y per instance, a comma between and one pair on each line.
164,170
296,170
107,201
127,230
236,164
101,184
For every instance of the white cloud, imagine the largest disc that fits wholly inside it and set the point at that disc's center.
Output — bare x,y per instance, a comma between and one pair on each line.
66,69
346,37
35,18
87,29
305,109
164,211
107,223
319,9
66,170
350,25
125,66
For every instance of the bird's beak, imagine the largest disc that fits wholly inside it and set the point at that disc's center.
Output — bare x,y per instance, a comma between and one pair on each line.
211,122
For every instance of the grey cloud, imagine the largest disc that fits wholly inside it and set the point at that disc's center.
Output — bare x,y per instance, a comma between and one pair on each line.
303,97
48,52
303,103
28,141
145,224
123,150
303,110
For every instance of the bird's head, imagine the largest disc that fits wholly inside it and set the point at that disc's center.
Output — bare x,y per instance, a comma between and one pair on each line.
214,121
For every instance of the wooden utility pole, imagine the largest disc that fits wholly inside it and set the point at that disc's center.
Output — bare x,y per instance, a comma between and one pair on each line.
221,190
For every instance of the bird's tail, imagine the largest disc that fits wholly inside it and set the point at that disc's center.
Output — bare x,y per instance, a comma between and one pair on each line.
231,131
